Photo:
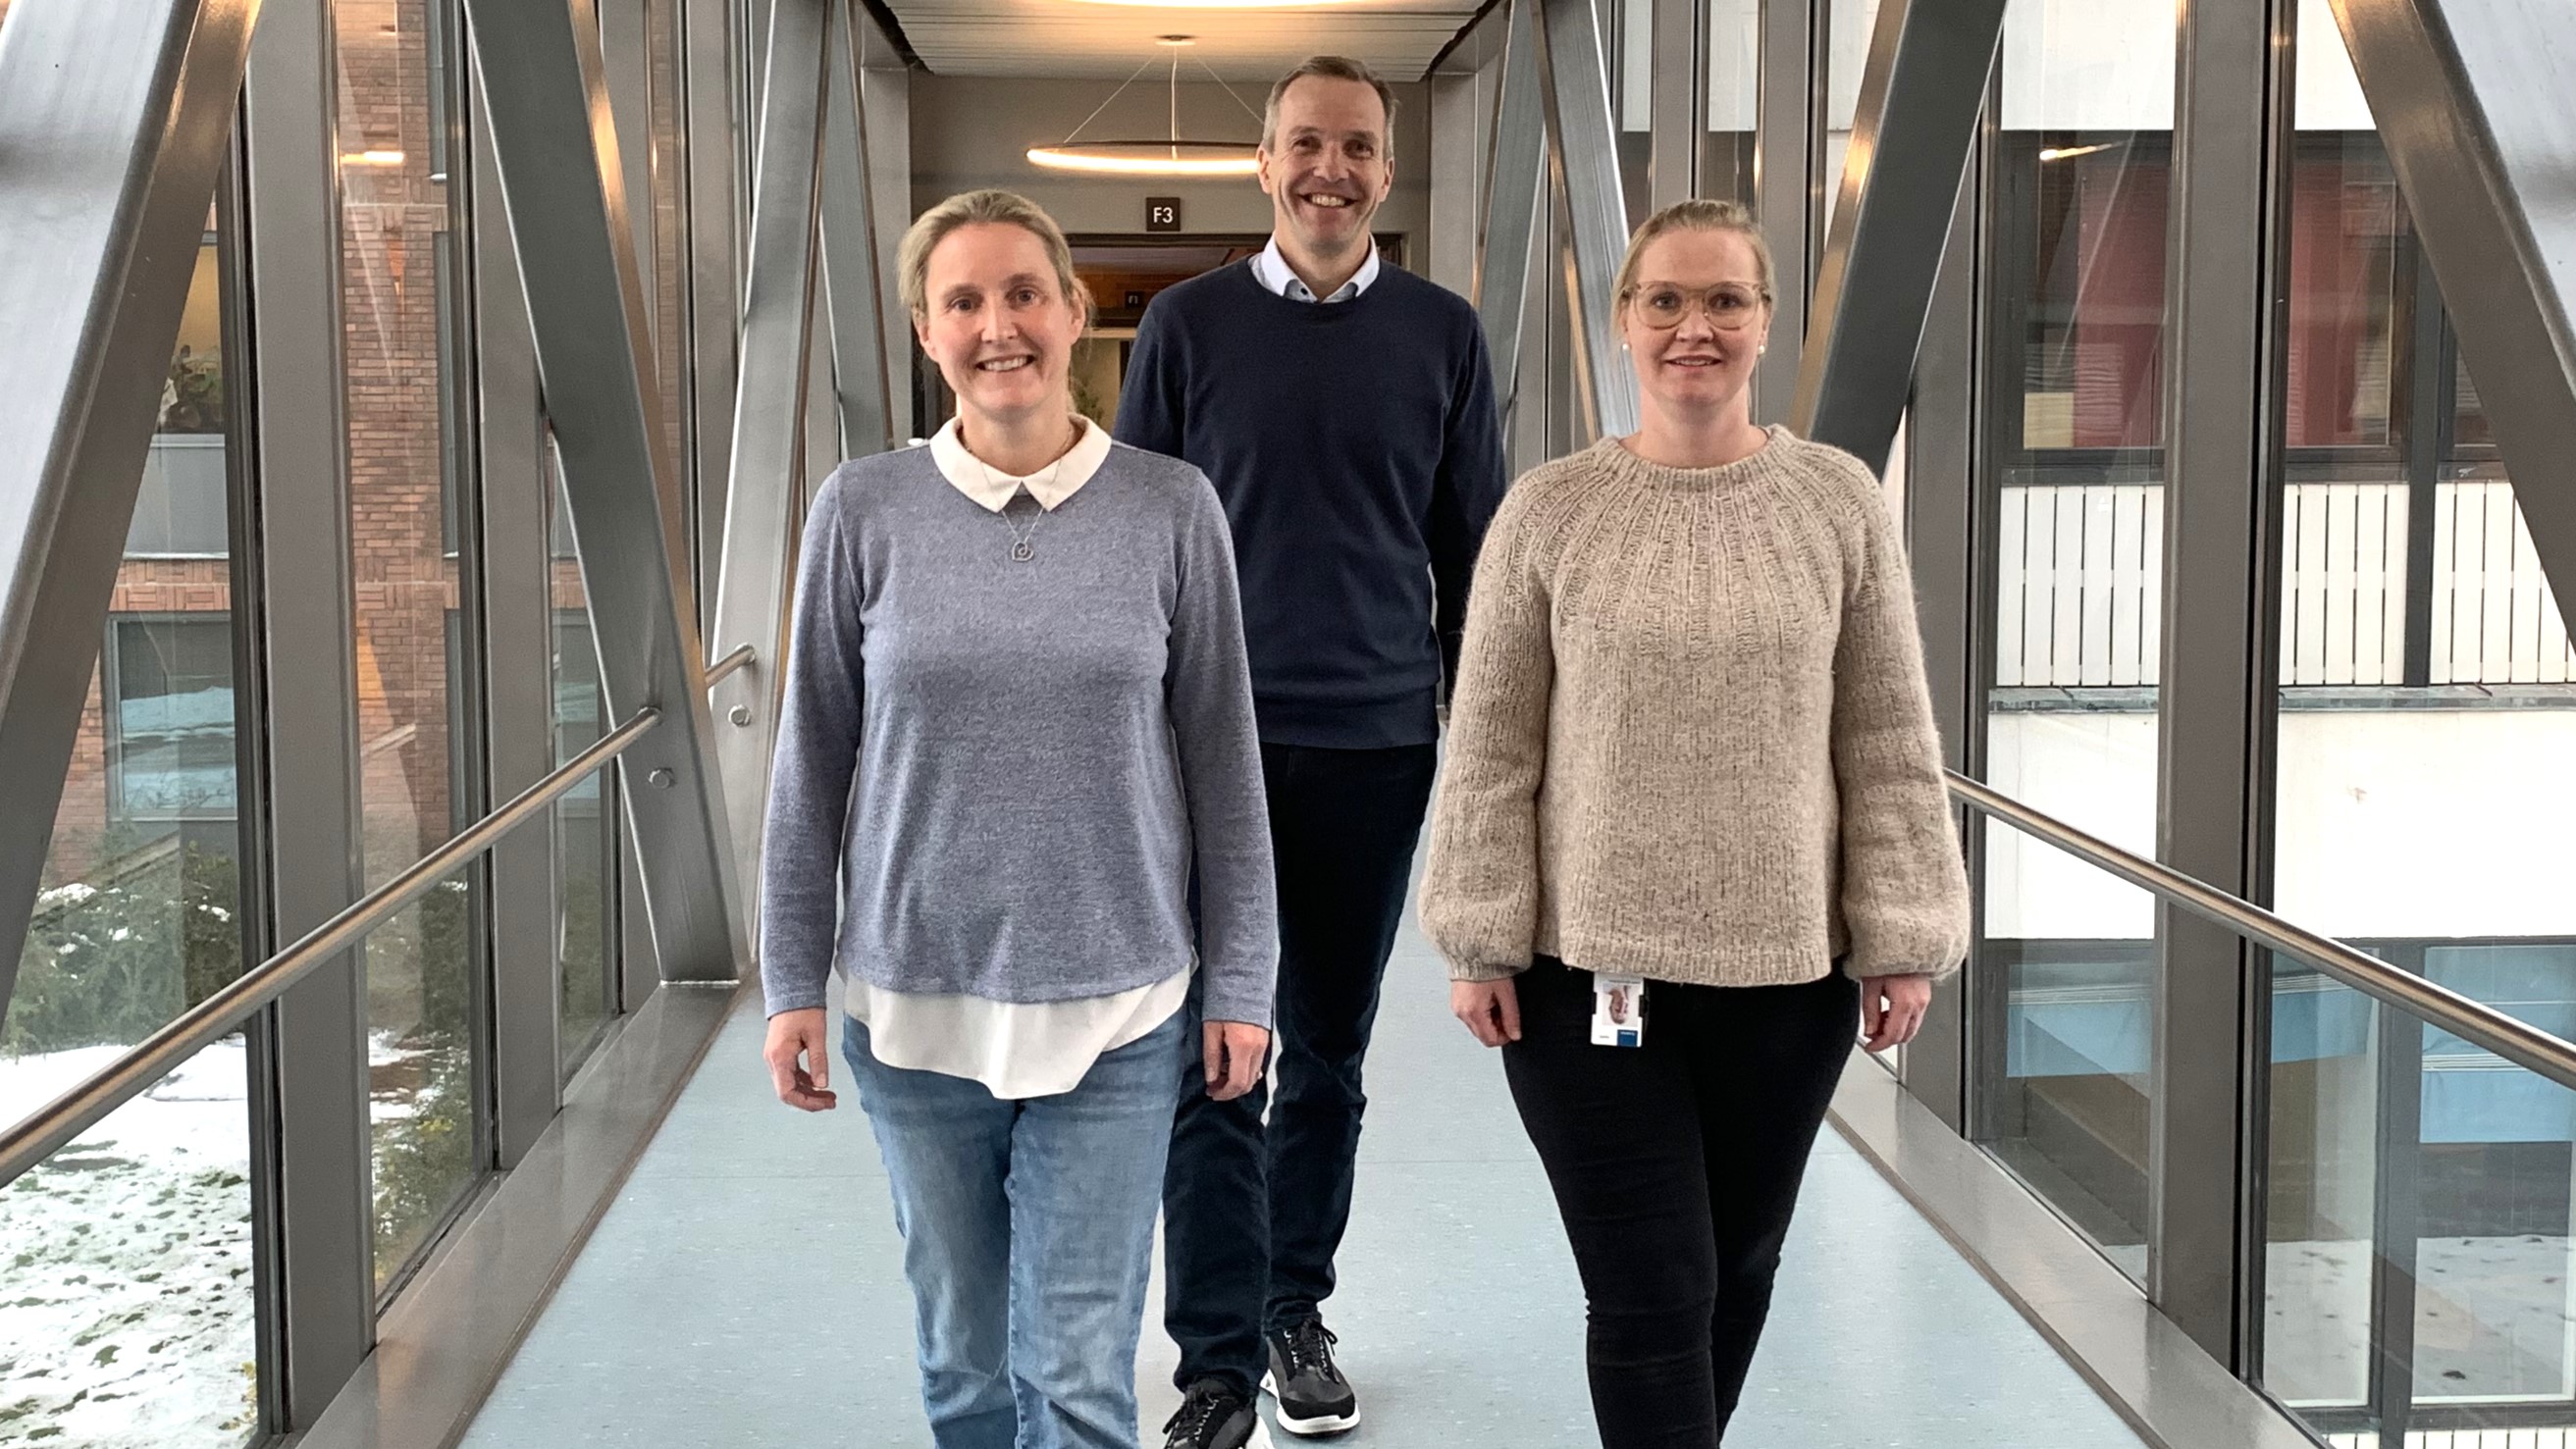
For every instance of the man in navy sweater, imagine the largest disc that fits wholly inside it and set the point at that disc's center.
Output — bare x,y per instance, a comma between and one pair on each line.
1345,411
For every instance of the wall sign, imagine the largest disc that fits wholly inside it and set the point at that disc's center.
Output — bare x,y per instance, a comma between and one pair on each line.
1162,213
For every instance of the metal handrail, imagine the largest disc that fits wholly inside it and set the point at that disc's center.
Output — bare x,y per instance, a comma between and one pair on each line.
2475,1022
740,658
30,1142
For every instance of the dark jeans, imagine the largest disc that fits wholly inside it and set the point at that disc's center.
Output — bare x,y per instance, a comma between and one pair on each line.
1251,1219
1676,1166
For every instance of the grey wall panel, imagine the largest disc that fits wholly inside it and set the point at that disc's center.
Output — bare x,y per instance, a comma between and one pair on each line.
308,607
714,291
1680,99
885,89
858,305
518,609
2219,658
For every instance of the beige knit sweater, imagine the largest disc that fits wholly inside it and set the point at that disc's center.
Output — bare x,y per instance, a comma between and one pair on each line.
1692,739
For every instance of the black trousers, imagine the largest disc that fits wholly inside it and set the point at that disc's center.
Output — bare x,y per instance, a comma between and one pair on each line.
1676,1166
1252,1218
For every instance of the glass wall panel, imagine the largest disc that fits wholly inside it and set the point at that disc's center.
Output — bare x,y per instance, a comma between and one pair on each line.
585,828
2421,806
411,526
2073,473
423,1105
126,1296
2063,971
128,1317
2321,1259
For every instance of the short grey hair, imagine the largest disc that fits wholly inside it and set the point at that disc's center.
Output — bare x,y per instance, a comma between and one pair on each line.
990,207
1328,67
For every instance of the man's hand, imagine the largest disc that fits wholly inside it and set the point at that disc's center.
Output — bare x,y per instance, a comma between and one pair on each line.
794,1034
1236,1057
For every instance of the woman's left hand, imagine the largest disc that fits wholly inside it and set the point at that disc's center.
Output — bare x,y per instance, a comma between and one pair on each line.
1891,1009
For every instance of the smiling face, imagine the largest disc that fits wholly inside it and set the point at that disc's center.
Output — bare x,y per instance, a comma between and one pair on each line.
999,323
1325,164
1687,280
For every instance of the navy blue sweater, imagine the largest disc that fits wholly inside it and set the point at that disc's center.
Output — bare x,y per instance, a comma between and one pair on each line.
1356,449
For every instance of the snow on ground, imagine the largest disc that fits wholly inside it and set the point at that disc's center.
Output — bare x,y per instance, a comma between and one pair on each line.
126,1316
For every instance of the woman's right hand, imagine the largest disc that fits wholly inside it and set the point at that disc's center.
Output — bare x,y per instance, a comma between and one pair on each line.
1491,1009
794,1034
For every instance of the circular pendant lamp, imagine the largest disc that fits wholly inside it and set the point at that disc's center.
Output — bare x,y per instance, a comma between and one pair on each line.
1171,156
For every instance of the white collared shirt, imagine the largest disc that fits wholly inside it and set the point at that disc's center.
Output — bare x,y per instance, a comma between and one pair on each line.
1271,269
1050,485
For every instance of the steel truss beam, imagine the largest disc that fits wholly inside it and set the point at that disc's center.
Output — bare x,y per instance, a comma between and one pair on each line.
115,116
850,261
1516,165
1583,159
762,484
2471,100
1920,97
555,141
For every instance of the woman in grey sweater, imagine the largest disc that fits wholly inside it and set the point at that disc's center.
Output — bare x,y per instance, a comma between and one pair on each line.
1691,827
1018,721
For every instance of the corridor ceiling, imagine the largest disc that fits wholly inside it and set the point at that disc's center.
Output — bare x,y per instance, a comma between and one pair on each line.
1077,38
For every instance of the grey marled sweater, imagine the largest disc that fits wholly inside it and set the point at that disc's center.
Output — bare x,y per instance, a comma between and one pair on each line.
997,777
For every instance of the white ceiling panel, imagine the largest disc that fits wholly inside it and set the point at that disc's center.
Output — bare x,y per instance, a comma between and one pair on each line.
1073,38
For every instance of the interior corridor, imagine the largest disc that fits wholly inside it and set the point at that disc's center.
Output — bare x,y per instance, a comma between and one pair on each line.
745,1288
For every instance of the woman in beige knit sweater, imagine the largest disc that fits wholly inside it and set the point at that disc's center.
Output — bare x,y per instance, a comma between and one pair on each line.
1691,810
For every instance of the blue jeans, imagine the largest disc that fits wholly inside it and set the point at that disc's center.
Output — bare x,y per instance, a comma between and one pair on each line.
1028,1231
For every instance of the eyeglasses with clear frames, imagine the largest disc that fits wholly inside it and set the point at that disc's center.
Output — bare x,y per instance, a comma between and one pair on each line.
1729,305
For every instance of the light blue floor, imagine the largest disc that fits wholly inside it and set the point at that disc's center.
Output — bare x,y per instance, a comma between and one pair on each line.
745,1290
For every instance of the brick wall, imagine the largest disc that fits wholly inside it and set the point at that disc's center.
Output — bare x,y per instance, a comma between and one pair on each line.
394,220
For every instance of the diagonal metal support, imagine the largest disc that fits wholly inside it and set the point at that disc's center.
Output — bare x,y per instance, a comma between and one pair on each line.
850,261
556,143
1920,98
1583,159
2471,100
753,581
114,119
1516,166
1789,126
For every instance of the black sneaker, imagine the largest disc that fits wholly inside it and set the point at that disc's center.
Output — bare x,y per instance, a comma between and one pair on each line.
1213,1416
1314,1398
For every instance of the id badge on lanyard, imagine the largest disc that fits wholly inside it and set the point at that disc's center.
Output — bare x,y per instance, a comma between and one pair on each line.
1618,1011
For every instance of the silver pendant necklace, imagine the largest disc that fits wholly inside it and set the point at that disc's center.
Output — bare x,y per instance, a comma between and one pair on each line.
1021,552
